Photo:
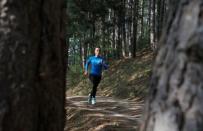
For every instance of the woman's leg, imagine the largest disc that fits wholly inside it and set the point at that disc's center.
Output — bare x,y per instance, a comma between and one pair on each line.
91,77
96,81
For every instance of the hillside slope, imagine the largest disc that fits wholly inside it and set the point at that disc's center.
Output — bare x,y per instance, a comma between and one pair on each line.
126,78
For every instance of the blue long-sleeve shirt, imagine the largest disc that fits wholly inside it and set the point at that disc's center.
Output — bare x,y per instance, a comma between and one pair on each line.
97,64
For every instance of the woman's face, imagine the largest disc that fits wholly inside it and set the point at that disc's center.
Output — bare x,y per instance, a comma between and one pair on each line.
97,50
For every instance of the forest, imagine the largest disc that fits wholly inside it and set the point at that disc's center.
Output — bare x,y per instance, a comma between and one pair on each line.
120,28
101,65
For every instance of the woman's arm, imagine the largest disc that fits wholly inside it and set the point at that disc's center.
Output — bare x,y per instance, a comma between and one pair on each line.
105,65
87,65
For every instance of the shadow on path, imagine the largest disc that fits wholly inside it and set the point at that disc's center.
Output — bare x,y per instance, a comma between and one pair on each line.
108,114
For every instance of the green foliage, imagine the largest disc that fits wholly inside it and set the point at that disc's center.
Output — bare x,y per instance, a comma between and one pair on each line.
143,42
91,23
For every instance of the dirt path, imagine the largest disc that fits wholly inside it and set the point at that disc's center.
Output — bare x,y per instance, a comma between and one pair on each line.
107,115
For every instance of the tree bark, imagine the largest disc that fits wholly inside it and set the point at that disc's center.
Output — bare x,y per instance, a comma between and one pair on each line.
149,21
124,43
67,50
160,17
32,65
176,94
142,20
135,23
153,31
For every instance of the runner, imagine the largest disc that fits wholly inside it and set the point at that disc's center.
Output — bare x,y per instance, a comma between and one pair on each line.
97,64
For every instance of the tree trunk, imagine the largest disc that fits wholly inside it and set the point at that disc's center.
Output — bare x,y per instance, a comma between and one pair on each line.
176,95
67,50
124,44
160,17
83,58
32,65
114,33
119,35
135,22
81,53
149,22
142,20
153,31
119,43
131,28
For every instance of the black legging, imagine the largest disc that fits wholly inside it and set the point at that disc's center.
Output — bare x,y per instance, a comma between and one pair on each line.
95,81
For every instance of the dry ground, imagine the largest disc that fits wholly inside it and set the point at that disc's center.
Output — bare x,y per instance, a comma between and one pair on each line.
108,114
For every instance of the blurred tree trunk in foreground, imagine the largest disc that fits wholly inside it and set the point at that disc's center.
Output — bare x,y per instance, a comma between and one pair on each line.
176,96
32,65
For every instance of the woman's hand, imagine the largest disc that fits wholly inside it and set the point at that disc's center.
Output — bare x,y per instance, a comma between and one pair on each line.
85,73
